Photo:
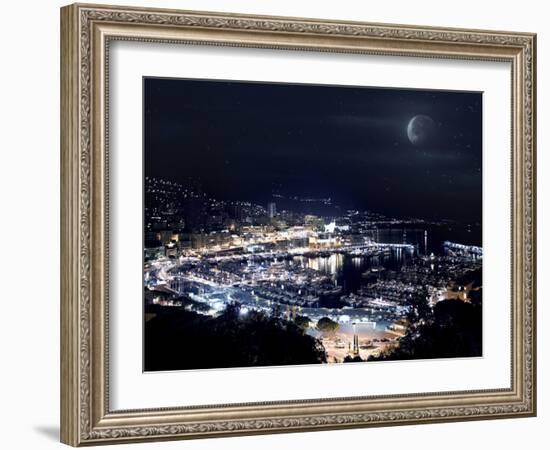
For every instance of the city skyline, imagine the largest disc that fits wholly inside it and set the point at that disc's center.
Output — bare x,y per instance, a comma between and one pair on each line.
352,144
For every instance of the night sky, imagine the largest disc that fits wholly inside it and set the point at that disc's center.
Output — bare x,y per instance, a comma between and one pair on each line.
244,140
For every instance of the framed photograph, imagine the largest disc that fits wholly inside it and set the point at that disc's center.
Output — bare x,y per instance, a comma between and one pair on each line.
274,224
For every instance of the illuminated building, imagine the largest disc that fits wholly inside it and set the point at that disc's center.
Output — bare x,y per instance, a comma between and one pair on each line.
313,222
271,209
330,228
171,249
165,236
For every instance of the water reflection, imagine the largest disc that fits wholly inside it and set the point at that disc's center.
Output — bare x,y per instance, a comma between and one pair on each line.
348,271
329,265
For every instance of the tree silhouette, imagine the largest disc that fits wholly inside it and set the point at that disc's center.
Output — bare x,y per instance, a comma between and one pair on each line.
327,325
302,321
454,329
177,339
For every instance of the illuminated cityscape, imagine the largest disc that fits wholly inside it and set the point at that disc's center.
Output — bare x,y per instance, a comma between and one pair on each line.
359,270
262,261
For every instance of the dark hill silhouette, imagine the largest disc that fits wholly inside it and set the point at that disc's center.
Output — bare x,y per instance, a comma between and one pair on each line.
177,339
454,330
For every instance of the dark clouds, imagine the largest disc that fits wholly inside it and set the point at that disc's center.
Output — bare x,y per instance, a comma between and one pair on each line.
243,139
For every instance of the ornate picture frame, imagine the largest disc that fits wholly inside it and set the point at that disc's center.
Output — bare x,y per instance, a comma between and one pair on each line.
86,34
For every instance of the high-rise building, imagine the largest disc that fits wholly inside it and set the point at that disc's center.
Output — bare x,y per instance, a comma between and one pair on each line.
271,209
236,212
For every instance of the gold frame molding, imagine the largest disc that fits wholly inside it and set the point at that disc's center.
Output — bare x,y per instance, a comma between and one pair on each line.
86,31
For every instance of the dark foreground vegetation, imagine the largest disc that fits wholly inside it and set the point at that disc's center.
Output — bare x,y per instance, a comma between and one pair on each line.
178,339
452,329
